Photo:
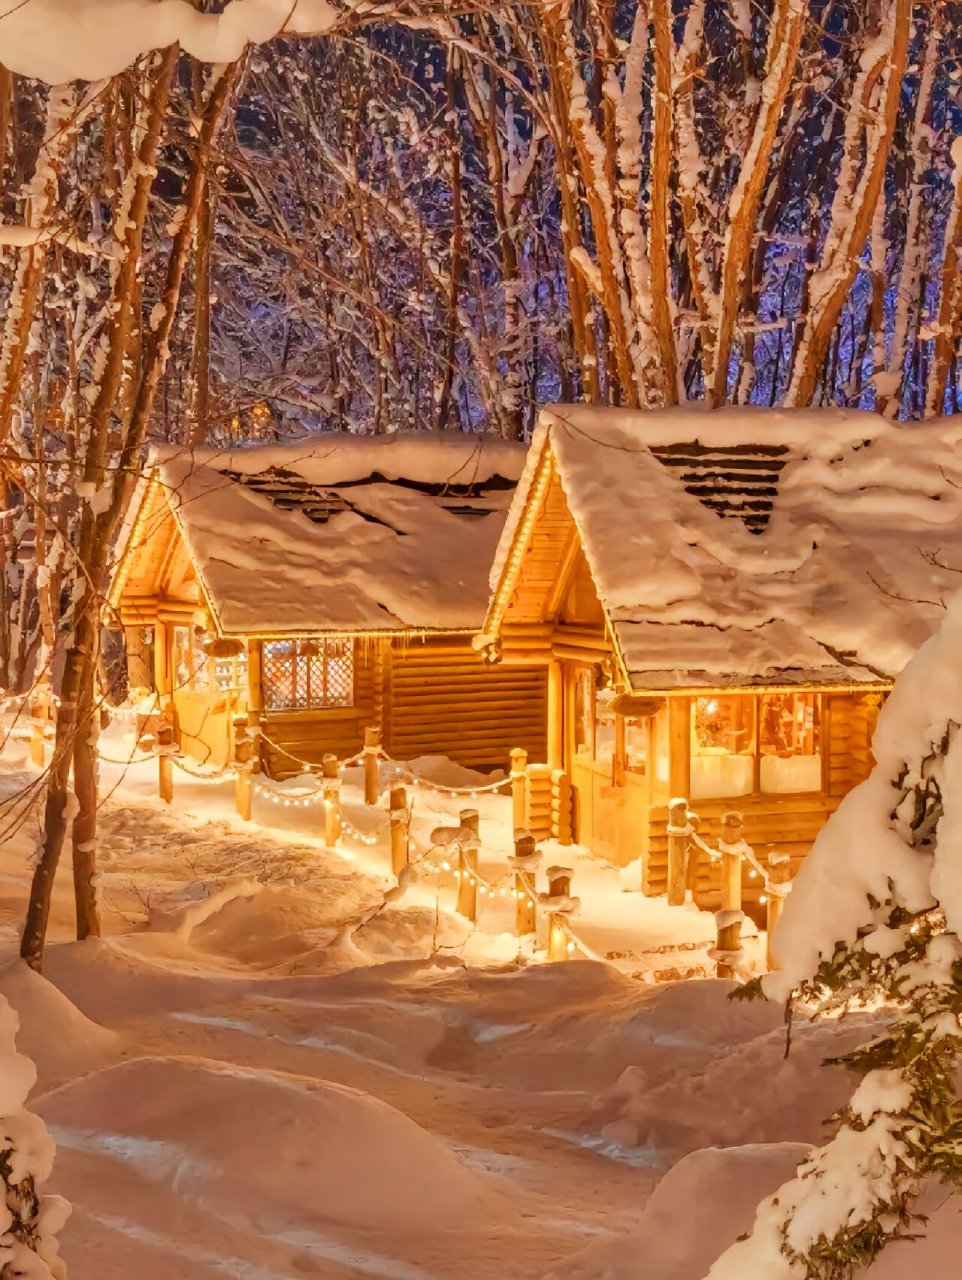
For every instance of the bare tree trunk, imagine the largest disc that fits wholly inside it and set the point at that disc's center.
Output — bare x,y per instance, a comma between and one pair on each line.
786,26
25,290
660,233
200,354
857,194
950,302
457,241
76,696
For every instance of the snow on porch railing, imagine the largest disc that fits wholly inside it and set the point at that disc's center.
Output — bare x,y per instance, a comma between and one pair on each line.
731,852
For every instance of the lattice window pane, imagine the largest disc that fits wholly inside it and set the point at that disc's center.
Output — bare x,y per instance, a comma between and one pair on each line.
308,673
278,674
339,673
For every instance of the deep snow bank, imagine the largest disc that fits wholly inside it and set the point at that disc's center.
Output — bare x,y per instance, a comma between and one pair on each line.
61,1041
280,1147
713,1191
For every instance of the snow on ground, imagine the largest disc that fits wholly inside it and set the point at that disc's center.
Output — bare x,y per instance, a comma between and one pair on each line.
236,1092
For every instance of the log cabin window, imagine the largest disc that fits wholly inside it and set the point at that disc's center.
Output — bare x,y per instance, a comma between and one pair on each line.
302,674
606,734
621,740
585,711
789,742
637,738
745,743
722,745
188,659
230,672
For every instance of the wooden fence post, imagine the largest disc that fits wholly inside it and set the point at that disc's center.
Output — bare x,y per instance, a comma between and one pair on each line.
730,916
372,748
559,889
468,843
525,863
165,766
243,763
678,840
779,878
331,774
400,826
519,768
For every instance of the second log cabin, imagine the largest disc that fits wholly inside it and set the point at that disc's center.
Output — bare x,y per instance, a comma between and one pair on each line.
321,587
721,602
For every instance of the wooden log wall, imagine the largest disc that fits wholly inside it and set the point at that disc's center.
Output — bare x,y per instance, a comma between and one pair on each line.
430,697
441,698
543,560
849,725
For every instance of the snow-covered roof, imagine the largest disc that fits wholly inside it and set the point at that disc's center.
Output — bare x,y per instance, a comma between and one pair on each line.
745,545
338,532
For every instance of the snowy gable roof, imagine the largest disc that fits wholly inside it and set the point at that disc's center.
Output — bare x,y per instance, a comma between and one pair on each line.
749,545
344,532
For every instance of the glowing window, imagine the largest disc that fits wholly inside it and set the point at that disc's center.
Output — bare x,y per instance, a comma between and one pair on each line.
300,674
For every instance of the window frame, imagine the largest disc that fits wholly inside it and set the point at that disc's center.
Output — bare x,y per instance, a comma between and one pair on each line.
755,752
302,673
198,679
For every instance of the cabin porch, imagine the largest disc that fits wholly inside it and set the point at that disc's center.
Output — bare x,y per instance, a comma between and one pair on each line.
783,757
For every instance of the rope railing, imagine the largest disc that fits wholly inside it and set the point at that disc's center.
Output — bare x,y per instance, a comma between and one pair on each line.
150,758
733,852
227,773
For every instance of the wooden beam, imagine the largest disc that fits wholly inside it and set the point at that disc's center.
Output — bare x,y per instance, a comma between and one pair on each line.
162,681
679,746
555,715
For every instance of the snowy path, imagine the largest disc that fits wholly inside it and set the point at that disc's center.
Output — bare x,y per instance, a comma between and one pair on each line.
237,1093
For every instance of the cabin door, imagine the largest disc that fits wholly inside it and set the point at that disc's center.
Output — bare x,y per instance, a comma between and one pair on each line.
606,758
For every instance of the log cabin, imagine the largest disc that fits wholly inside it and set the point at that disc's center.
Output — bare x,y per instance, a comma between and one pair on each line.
321,587
721,602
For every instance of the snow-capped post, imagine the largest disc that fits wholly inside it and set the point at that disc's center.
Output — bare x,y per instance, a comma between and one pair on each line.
525,863
776,890
519,769
679,837
468,845
331,773
729,918
243,764
560,905
371,755
400,826
164,746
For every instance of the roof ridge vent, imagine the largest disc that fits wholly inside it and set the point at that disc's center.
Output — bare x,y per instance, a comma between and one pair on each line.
737,482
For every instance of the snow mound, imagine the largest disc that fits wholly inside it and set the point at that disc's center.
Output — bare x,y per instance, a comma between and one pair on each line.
61,1041
445,772
280,1149
300,930
699,1208
676,1097
273,927
593,1024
